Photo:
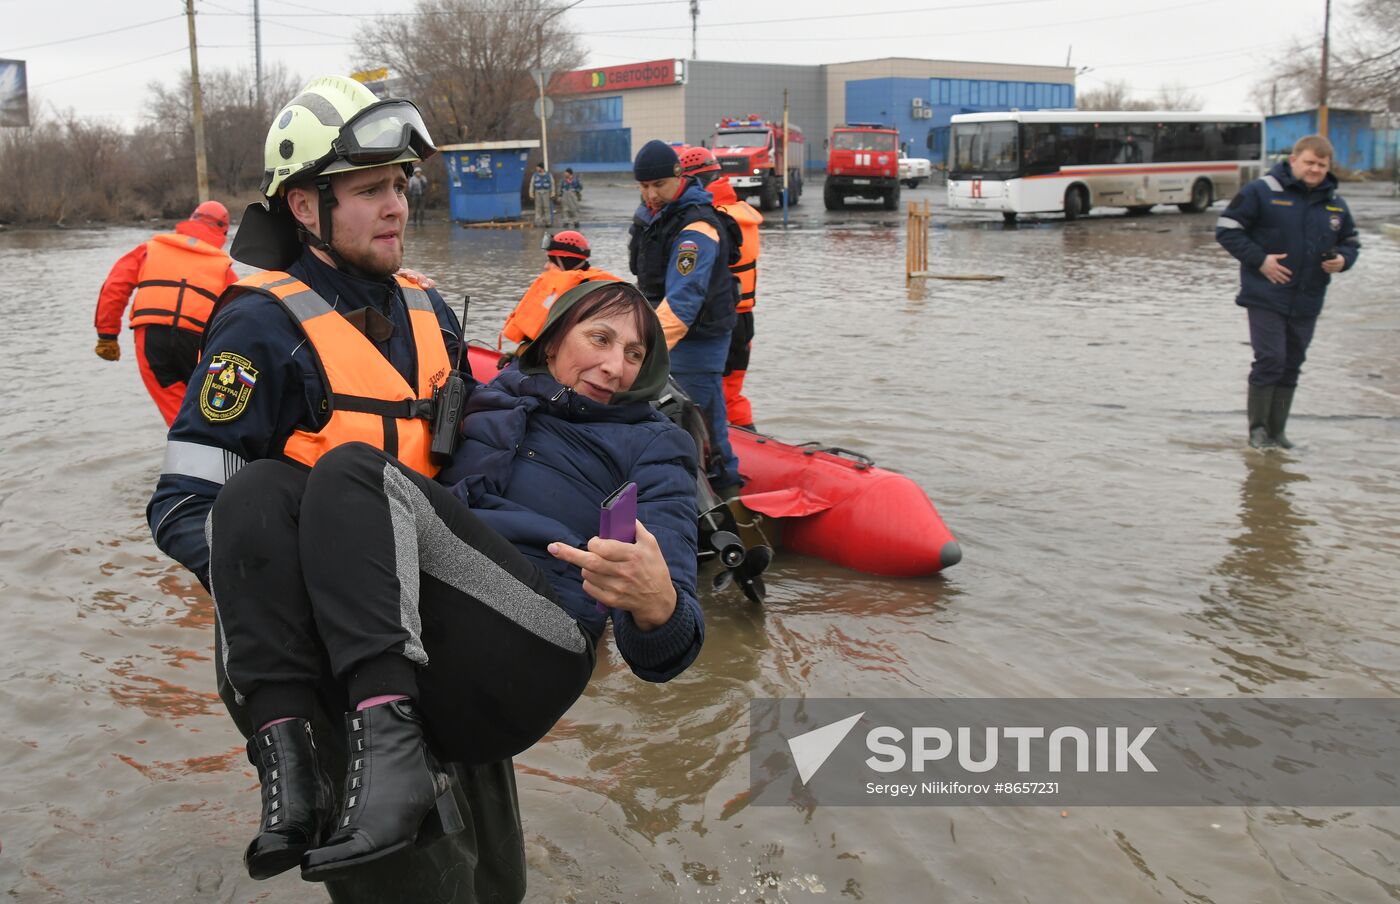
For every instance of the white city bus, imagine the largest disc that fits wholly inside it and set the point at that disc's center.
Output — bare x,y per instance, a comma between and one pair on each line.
1071,161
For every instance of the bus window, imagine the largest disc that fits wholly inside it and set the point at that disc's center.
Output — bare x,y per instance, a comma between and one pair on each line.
988,148
1109,138
1039,148
1076,143
1139,142
1181,142
1240,140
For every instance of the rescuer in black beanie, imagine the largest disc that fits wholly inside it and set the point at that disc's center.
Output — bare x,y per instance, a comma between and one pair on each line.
656,160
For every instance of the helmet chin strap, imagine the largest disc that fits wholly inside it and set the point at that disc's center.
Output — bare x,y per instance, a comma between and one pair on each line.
325,204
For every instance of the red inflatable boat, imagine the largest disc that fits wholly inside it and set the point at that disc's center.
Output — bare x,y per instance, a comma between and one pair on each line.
832,503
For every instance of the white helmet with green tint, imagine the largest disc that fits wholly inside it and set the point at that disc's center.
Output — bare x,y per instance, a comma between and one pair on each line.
335,125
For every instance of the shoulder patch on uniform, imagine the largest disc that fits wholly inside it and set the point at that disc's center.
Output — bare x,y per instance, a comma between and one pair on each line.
228,385
685,257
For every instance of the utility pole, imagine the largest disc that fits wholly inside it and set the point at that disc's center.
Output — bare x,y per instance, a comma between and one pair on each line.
1322,93
201,168
694,24
541,76
257,52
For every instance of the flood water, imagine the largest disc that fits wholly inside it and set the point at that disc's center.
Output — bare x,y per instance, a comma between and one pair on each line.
1080,427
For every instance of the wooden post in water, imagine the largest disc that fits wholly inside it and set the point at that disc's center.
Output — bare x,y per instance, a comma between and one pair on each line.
916,241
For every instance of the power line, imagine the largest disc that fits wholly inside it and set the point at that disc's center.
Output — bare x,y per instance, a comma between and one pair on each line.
68,78
316,13
888,12
95,34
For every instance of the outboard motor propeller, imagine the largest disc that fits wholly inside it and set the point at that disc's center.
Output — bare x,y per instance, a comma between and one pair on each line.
737,541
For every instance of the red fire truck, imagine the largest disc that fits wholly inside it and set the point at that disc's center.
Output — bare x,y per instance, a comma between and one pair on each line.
750,153
862,162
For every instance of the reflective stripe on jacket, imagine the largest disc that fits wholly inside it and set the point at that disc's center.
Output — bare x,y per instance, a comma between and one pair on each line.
180,282
525,322
746,269
368,400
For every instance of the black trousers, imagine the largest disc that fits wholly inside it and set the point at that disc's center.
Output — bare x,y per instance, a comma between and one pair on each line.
1280,346
366,573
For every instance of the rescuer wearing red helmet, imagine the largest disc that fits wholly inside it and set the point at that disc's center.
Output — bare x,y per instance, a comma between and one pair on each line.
175,277
700,164
568,253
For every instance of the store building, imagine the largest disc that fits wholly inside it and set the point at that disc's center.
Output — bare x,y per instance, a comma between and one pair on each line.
604,115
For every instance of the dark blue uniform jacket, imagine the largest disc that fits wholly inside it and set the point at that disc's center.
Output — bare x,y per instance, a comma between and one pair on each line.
1278,214
288,395
533,446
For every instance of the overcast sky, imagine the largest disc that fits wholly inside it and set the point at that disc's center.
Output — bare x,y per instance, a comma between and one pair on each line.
1215,48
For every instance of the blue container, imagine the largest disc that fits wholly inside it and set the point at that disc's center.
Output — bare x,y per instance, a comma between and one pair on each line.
484,179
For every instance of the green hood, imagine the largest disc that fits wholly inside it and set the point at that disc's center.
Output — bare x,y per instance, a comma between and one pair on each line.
651,379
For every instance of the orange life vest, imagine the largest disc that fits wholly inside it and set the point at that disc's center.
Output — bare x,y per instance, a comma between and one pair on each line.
180,282
746,269
367,399
526,321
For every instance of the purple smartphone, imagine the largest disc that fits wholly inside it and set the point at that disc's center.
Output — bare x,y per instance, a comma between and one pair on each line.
617,519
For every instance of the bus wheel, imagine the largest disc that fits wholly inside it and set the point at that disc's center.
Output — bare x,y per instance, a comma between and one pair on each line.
1076,204
1008,216
1200,198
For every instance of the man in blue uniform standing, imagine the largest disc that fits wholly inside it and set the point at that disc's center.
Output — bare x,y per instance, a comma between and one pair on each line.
1290,232
680,250
321,350
541,190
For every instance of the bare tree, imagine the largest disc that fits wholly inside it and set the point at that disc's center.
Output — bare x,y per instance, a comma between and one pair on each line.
1369,65
467,63
1115,94
233,125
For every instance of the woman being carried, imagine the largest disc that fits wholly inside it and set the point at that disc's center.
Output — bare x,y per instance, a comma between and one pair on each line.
459,623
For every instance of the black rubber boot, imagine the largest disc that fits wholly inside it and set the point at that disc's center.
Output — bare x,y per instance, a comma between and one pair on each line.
1278,414
396,793
296,798
1260,400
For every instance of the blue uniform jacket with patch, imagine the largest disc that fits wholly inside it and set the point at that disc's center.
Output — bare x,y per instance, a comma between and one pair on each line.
533,446
200,456
1278,214
685,274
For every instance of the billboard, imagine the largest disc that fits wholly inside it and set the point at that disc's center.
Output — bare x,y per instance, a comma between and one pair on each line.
653,74
14,94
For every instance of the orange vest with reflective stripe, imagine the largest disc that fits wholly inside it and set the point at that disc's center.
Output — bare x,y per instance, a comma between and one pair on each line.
746,269
368,400
526,321
180,282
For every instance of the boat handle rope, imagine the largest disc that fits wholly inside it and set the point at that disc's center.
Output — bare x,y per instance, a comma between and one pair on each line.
860,461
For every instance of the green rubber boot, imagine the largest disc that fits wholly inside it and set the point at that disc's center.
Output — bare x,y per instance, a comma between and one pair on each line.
1258,409
1278,414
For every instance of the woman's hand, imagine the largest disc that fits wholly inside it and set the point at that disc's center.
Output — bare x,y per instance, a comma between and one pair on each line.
422,279
631,576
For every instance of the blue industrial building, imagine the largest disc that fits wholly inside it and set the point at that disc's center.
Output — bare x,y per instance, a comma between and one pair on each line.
1350,132
920,108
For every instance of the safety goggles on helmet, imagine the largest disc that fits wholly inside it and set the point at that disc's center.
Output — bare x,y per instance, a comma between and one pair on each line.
383,133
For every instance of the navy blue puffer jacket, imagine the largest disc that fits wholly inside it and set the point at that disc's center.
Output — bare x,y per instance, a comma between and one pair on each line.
1279,214
534,446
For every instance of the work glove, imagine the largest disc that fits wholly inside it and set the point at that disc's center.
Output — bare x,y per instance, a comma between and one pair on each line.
108,349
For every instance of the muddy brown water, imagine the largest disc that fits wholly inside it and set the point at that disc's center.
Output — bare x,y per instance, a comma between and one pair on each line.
1079,425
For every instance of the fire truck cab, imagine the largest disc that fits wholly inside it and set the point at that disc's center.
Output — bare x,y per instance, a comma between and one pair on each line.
750,152
862,162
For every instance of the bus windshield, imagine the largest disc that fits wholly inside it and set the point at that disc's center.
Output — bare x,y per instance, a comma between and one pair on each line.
985,149
863,141
741,140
